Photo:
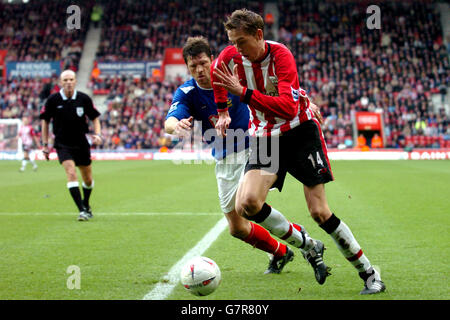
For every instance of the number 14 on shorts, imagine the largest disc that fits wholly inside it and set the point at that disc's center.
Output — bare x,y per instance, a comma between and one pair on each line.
316,162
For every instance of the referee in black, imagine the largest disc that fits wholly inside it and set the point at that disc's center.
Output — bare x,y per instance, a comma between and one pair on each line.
70,110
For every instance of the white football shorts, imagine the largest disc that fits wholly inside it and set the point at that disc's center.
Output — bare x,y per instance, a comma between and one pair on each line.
229,173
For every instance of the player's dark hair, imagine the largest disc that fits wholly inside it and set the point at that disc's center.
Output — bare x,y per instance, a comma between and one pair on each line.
245,20
195,46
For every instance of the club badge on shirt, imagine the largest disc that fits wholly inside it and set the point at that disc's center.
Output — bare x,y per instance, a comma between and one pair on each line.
80,111
272,86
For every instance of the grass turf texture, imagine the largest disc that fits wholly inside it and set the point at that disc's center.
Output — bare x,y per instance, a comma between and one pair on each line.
398,211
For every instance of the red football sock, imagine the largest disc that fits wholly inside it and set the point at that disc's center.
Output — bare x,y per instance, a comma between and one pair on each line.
260,238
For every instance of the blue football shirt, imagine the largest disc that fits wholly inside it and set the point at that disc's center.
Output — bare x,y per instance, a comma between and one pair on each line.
191,100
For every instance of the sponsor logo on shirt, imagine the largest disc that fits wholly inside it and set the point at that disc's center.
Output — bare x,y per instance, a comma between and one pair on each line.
295,94
272,87
274,80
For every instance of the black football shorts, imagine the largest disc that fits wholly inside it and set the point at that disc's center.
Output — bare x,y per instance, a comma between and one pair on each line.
81,155
301,152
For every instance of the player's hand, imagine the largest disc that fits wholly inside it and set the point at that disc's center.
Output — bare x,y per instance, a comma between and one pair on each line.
46,153
183,127
228,80
316,111
96,139
223,123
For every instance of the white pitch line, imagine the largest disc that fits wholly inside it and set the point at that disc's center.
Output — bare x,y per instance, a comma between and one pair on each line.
163,288
112,213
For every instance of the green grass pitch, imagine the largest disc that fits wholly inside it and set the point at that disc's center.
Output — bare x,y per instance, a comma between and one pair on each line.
148,214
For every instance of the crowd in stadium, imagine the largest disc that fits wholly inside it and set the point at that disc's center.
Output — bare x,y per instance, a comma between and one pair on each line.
347,67
135,115
142,30
20,97
29,32
344,66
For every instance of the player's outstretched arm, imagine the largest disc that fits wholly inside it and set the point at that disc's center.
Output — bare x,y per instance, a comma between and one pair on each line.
223,123
180,128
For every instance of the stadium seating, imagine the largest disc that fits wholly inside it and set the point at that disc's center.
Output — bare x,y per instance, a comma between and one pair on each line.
136,111
30,32
348,67
20,97
137,30
345,66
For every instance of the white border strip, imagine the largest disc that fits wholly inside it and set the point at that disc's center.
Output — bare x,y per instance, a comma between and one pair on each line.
163,288
112,213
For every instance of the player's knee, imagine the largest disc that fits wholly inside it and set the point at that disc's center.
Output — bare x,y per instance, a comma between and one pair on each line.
88,181
71,175
251,204
319,214
316,216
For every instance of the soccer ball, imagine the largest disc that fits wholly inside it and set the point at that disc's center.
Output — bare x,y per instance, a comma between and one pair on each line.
200,276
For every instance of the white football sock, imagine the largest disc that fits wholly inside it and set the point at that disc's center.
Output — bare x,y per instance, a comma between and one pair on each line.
278,225
349,247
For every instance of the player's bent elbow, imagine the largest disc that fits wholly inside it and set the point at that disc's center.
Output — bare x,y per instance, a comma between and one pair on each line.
290,113
169,127
291,116
168,130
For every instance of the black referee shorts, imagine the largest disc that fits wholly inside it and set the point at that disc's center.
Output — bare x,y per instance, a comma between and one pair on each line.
81,155
300,151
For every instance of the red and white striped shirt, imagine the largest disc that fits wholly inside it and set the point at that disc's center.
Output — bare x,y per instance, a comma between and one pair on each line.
271,89
26,134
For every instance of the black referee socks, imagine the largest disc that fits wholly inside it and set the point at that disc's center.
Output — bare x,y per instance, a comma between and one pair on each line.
74,190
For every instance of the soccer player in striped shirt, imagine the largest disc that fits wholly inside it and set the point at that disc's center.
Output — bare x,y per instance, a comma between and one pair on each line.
264,75
28,136
194,100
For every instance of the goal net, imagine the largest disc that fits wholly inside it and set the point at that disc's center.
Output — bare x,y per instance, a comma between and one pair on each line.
10,143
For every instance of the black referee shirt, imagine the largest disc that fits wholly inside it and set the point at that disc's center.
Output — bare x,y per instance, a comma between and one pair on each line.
70,117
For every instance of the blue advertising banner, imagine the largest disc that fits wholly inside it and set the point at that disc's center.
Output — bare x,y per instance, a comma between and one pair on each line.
42,69
138,68
121,68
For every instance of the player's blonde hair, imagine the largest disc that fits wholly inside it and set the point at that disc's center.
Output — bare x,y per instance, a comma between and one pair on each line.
245,20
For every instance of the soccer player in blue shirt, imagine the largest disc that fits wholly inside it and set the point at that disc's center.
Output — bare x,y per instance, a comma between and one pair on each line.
194,100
